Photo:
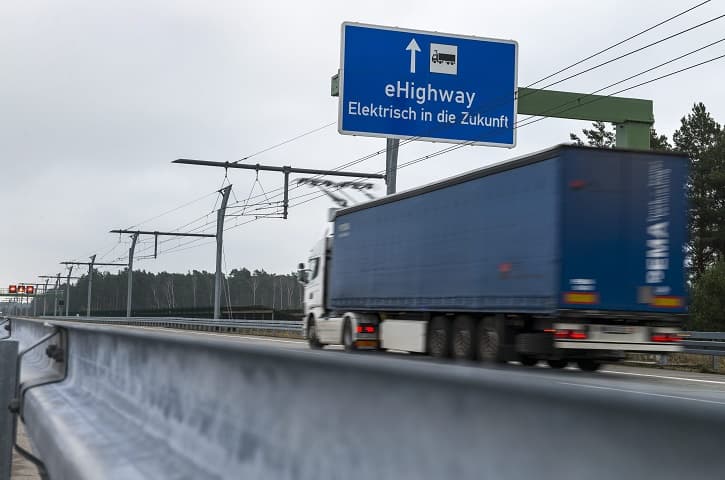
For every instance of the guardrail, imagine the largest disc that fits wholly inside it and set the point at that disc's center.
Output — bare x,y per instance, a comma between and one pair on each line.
289,328
705,343
119,403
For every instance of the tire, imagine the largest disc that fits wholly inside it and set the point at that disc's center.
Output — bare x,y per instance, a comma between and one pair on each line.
464,330
439,337
588,365
557,363
312,339
528,361
347,341
489,340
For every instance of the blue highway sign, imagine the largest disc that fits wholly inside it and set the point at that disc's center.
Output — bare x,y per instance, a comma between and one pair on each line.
399,83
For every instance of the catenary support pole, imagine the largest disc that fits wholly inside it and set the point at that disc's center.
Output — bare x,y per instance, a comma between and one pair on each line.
129,294
219,239
90,285
45,290
391,163
55,296
67,290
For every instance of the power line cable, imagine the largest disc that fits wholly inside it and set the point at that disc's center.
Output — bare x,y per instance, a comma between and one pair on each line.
634,86
171,210
452,148
374,154
657,42
553,109
588,69
285,142
632,37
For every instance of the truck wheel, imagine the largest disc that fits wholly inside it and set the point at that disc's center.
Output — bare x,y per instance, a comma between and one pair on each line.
312,335
439,337
463,335
528,360
347,341
489,346
587,365
557,363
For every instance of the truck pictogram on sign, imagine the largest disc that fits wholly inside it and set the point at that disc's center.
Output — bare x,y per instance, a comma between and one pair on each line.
444,58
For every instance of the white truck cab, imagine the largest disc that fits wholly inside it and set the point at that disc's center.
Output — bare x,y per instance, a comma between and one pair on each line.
352,330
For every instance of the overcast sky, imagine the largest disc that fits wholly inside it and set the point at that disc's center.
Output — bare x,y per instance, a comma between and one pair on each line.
98,97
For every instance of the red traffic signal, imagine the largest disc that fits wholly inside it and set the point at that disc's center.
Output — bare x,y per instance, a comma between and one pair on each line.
29,289
21,288
13,289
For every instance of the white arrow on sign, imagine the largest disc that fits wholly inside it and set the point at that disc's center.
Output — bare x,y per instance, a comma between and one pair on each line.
413,47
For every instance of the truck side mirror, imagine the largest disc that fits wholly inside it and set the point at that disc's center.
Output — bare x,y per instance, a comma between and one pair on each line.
302,274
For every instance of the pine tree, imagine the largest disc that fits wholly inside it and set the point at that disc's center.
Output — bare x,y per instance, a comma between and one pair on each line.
702,139
598,136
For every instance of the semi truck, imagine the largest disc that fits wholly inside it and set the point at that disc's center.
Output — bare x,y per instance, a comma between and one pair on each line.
448,58
569,255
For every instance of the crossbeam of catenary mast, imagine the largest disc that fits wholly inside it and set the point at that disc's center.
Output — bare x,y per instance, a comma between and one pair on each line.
164,234
273,168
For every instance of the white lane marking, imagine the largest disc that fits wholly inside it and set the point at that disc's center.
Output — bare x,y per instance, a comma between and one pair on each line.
684,379
643,393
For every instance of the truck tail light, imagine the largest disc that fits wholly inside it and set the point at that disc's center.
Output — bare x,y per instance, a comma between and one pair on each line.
365,329
665,337
570,335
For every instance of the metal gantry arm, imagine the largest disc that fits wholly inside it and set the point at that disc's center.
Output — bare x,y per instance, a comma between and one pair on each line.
286,170
91,266
134,238
632,117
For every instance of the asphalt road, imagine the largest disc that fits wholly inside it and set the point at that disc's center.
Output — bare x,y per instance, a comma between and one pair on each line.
687,388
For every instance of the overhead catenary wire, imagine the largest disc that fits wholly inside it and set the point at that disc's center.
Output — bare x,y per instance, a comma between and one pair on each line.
451,148
136,225
660,65
719,57
607,62
568,67
631,37
636,50
617,44
285,142
379,152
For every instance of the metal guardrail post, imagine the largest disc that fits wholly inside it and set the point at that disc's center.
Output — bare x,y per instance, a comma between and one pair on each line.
8,386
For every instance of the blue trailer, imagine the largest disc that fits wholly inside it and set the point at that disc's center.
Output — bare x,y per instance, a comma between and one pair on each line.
573,253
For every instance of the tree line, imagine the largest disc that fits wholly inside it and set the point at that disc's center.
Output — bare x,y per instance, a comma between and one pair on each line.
172,292
703,140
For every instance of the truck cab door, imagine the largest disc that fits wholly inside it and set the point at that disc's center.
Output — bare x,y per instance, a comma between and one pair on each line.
314,297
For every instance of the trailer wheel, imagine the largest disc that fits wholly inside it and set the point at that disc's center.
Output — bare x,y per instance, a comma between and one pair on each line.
489,340
312,339
528,360
439,337
588,365
557,363
347,341
463,337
